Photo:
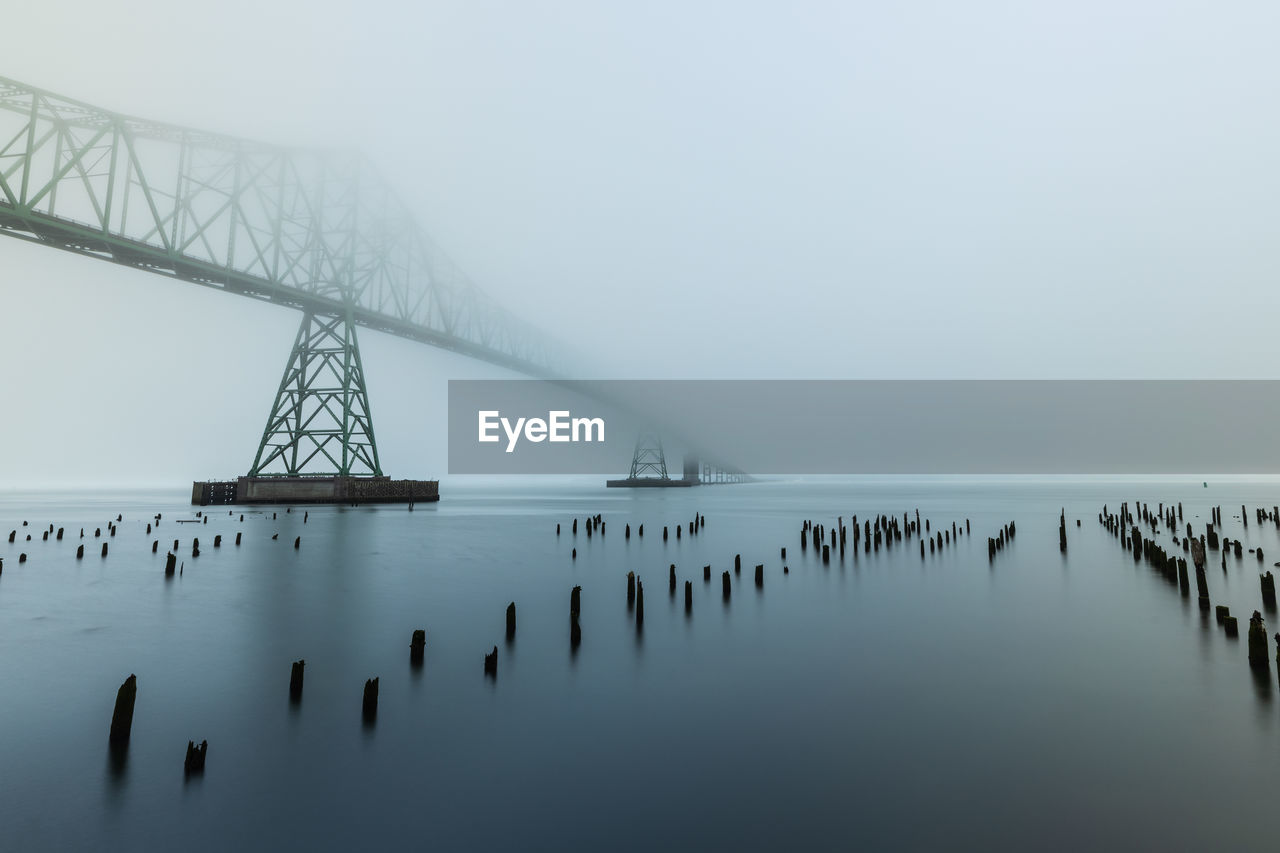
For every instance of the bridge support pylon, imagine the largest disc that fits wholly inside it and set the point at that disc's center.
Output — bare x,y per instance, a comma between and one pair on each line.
649,465
320,423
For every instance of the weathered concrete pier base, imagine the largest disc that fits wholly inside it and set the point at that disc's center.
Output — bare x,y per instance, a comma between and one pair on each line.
316,490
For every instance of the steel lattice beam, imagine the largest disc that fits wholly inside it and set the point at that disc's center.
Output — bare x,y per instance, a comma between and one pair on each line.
318,231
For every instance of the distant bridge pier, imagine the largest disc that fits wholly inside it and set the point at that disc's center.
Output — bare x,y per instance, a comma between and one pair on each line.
649,468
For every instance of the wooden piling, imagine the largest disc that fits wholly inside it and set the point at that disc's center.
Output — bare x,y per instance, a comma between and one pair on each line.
195,757
122,716
417,646
511,621
295,680
639,604
1258,656
369,706
725,585
688,596
631,589
491,663
759,574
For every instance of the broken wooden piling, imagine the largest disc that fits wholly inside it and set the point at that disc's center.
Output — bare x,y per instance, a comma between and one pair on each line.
639,605
417,646
195,757
295,680
491,663
122,716
1258,656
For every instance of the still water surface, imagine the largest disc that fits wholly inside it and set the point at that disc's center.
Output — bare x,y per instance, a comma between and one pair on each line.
889,702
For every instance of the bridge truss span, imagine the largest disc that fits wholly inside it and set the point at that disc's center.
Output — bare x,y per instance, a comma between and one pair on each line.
315,230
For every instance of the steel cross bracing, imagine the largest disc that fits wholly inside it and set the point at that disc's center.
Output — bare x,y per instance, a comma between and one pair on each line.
320,422
318,231
648,461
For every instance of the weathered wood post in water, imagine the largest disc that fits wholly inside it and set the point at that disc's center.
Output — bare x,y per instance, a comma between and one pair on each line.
631,590
80,552
1062,531
104,549
417,646
688,597
760,574
122,716
671,579
1268,590
491,663
295,681
575,608
170,564
1258,656
639,605
511,621
725,585
195,757
369,707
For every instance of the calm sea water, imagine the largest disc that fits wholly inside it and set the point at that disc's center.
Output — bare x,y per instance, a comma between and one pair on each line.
888,702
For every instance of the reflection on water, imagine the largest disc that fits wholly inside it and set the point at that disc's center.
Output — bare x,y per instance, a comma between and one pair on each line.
879,700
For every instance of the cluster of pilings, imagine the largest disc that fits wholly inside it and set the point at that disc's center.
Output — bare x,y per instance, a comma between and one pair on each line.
1126,525
873,533
996,543
112,527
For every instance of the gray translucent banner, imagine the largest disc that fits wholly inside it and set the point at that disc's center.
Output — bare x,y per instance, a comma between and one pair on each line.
868,427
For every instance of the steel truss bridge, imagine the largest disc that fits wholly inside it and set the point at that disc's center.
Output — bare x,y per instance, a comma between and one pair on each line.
314,230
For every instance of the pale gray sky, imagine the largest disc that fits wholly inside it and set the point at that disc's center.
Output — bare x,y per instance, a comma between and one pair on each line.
679,189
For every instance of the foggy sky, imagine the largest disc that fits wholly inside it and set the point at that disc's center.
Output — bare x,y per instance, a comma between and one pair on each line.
678,190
